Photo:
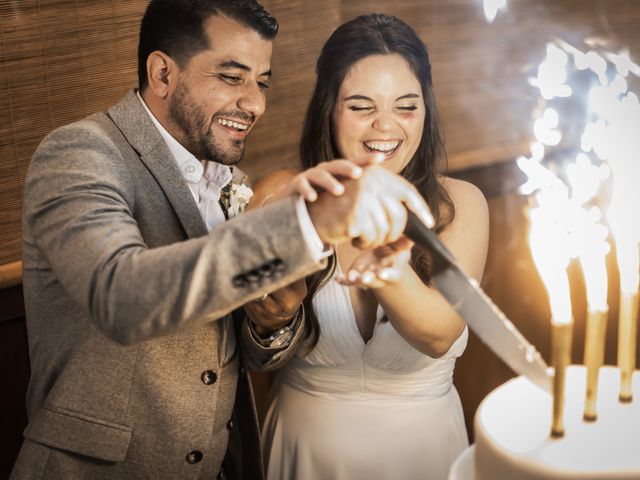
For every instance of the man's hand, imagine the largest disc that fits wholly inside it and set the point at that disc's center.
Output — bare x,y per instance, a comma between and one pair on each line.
277,309
371,211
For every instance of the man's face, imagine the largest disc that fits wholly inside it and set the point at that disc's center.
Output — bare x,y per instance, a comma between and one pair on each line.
220,94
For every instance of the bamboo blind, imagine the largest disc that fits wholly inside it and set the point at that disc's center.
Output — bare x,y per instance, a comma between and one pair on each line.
63,59
59,61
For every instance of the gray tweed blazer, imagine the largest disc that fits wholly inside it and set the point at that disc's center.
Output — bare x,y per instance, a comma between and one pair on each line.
124,293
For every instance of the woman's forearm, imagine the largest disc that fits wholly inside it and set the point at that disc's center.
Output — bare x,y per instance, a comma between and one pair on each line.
420,314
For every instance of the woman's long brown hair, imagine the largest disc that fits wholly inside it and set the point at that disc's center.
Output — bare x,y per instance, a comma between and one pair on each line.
374,34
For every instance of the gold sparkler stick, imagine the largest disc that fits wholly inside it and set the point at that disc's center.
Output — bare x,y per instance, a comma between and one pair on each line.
561,338
594,358
627,334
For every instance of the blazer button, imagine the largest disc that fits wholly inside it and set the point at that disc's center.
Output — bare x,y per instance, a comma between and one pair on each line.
194,457
254,275
240,281
278,265
209,377
267,270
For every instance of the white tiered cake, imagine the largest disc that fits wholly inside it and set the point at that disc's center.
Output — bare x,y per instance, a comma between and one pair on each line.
513,441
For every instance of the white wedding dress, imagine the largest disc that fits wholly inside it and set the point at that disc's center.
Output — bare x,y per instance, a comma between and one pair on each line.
350,410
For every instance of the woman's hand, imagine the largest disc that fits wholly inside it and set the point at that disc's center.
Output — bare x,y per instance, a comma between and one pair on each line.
380,266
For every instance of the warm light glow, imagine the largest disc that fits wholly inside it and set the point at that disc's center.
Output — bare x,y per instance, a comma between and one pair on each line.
548,243
593,250
589,235
628,264
586,178
614,138
566,220
491,8
566,212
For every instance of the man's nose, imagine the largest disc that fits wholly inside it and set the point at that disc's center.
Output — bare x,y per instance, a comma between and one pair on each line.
252,100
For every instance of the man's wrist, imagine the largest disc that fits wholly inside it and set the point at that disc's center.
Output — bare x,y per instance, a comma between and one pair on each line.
264,332
280,337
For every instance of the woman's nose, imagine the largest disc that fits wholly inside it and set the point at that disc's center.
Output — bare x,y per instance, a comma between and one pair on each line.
383,120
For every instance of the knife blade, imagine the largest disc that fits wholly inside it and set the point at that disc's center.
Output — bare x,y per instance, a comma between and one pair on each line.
477,309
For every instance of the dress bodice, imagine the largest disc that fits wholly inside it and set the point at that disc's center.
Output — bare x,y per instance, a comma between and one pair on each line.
343,364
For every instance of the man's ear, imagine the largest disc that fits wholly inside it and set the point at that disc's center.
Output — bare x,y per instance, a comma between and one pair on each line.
162,73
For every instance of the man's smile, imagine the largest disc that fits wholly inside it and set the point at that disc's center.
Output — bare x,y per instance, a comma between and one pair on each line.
233,127
234,124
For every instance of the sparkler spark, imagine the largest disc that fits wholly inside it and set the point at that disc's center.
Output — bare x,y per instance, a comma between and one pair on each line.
564,222
491,8
563,208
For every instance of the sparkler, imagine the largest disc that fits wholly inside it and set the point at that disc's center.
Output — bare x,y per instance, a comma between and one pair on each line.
567,211
612,137
568,216
548,244
608,136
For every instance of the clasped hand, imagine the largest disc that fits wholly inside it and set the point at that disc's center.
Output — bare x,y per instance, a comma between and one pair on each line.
362,202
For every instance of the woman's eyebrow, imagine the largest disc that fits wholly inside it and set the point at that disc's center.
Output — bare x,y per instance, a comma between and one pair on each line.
357,97
408,95
363,97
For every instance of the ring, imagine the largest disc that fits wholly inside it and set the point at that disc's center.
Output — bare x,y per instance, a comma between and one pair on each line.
263,297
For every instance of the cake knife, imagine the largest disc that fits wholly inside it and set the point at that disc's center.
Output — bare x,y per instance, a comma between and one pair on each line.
477,310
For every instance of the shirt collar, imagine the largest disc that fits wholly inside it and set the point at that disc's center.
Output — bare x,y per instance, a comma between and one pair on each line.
191,169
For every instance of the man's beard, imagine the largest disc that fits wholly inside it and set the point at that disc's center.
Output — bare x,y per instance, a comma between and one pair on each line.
197,130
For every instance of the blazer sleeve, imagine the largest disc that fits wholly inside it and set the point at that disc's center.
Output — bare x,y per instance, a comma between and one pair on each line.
79,212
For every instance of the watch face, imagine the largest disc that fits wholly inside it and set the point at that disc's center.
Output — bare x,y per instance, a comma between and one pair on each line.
282,339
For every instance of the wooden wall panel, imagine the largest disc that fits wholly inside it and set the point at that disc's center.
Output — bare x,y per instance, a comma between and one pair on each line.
60,60
302,33
480,70
63,59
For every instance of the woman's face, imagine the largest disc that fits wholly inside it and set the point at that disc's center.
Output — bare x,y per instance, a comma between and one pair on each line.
380,109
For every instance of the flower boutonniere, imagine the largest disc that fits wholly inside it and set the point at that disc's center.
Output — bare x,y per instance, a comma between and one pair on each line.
235,196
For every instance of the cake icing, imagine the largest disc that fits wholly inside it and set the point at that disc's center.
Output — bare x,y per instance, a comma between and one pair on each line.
513,441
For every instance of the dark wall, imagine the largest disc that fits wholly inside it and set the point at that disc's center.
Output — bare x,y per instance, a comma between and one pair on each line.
14,374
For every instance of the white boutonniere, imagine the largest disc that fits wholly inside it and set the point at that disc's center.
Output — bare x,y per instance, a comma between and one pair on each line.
235,197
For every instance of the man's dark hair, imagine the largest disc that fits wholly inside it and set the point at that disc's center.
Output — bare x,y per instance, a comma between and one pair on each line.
176,27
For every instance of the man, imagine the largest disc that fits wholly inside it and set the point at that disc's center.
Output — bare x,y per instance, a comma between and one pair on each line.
131,272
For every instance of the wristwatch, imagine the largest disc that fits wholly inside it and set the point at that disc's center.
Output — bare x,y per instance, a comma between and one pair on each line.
281,337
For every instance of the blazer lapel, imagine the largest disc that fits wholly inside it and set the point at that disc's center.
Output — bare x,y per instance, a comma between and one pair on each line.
134,122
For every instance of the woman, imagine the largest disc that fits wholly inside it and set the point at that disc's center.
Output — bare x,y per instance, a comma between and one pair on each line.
371,397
